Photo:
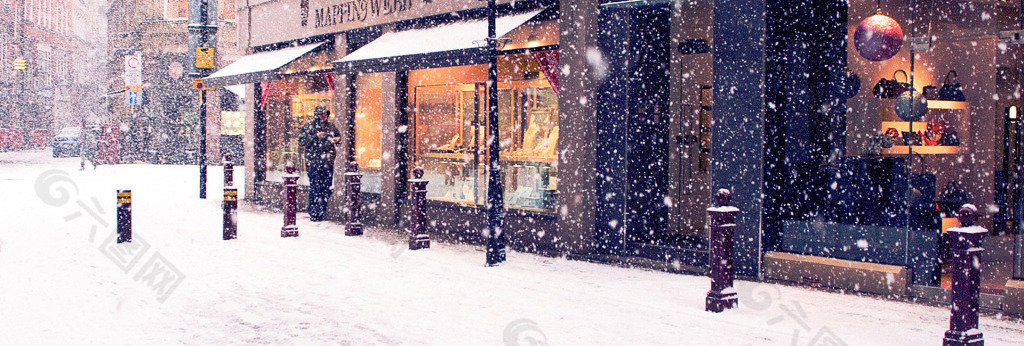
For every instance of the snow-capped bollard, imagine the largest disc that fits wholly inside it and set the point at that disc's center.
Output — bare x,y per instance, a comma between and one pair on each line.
289,202
966,249
419,239
124,216
230,205
353,184
229,170
723,223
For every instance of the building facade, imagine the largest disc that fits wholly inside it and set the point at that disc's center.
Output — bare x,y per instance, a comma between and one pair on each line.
163,126
43,94
617,125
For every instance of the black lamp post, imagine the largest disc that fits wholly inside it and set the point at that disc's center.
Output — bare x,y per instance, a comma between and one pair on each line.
202,33
495,193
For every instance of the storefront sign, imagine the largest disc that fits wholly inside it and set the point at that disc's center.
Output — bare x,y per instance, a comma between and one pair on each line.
309,18
354,11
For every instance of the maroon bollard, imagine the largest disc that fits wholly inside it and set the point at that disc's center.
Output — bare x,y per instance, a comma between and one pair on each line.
230,205
124,216
229,171
723,223
290,203
353,184
966,248
419,239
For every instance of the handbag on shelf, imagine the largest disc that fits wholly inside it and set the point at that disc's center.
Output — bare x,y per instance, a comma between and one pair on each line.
951,91
950,138
893,134
931,92
891,88
912,138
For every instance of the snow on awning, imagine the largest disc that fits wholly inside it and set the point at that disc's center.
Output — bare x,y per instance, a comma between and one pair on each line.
444,45
257,67
238,90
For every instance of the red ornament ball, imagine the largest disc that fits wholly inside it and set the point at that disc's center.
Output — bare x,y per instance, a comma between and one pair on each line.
878,37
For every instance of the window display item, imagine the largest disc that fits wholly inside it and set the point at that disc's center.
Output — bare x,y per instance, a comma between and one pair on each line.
845,84
911,106
893,134
875,145
950,138
931,92
951,91
911,138
891,88
878,37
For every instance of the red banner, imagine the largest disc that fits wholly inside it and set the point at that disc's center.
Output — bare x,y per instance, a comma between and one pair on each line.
548,61
264,93
329,76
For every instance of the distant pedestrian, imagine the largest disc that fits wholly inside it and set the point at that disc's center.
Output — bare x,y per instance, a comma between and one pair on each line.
319,137
90,146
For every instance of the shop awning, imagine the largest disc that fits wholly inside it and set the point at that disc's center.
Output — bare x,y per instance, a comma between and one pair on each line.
258,67
453,44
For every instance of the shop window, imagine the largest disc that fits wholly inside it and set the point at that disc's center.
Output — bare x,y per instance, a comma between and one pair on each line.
859,176
289,105
368,130
450,139
232,123
176,9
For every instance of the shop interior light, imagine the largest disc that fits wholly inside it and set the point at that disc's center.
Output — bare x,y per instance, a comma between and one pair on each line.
1011,112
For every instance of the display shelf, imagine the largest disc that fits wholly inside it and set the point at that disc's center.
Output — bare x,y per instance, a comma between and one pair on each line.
939,104
904,125
922,149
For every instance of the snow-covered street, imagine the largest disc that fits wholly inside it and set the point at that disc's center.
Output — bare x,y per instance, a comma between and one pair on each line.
62,281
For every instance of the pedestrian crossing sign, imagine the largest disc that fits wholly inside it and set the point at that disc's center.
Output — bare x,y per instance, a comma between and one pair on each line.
133,97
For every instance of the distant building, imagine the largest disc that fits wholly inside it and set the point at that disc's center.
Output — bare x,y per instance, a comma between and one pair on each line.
41,32
163,126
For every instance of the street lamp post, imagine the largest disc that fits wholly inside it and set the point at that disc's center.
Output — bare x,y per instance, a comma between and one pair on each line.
495,193
202,34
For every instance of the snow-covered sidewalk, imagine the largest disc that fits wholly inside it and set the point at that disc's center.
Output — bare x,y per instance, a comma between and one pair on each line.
62,281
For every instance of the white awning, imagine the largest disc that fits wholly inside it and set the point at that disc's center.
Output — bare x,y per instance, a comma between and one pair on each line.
419,46
257,67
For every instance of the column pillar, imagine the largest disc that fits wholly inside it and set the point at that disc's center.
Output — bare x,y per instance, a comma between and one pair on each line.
577,115
738,112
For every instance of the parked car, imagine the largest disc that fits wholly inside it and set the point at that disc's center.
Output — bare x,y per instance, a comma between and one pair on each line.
67,142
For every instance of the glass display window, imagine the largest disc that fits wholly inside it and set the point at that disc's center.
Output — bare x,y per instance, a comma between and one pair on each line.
450,139
891,117
368,130
289,104
232,123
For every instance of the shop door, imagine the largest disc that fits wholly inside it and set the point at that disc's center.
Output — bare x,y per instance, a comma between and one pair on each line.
644,152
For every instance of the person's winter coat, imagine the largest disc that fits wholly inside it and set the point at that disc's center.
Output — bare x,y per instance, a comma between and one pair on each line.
319,151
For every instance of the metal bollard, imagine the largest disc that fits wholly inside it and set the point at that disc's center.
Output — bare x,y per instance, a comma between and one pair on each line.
353,184
419,239
966,248
124,216
723,223
230,205
290,204
229,171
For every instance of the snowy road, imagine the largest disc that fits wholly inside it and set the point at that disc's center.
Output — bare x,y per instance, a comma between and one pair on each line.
62,282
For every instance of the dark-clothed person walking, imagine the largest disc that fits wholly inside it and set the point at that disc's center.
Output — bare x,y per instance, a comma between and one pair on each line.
319,138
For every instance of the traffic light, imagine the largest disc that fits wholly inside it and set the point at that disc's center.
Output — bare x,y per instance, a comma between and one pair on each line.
20,64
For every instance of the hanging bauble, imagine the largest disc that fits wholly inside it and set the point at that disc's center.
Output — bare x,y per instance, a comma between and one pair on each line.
878,37
911,108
